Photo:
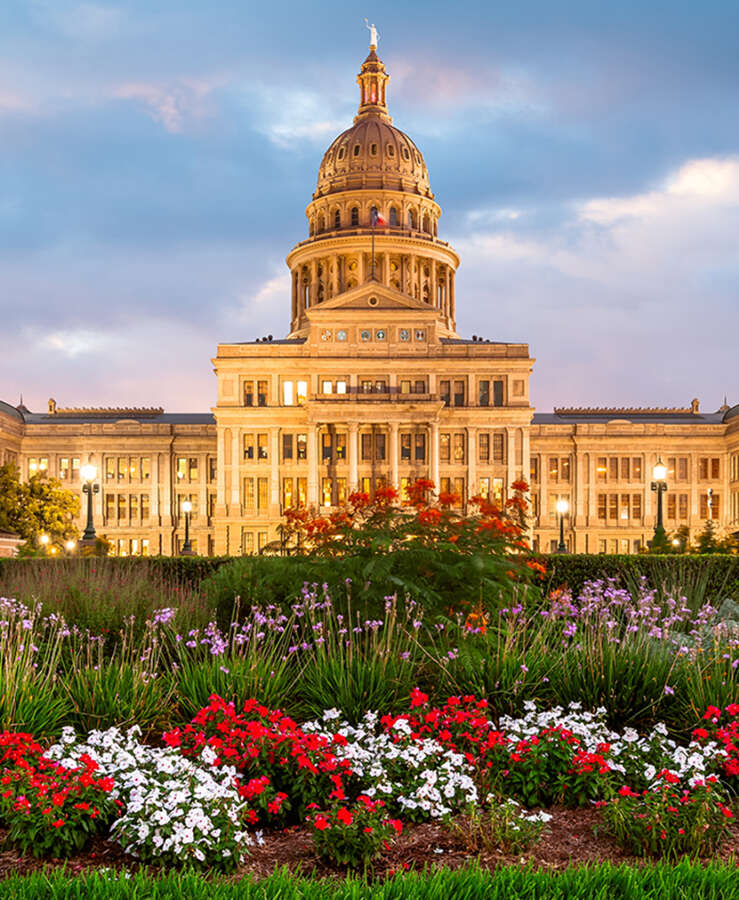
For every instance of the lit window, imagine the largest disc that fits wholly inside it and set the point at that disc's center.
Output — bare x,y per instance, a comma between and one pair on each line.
288,397
302,392
340,387
326,387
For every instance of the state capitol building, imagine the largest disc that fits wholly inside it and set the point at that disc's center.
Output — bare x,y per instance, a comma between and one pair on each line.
373,385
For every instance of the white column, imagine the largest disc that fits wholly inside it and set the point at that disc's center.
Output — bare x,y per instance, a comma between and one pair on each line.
472,461
434,455
592,500
154,500
235,468
312,466
394,455
203,487
353,456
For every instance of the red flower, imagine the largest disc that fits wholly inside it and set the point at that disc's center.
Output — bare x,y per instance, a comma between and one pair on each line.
344,816
418,698
58,824
321,823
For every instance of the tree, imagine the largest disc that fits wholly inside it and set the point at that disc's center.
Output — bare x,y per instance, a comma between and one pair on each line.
37,506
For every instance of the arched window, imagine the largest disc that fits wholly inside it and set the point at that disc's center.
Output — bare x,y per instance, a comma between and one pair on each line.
425,227
337,219
412,219
341,152
406,154
356,149
393,216
321,224
355,216
373,149
390,150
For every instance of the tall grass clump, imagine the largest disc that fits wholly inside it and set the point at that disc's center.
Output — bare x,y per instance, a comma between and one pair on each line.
101,594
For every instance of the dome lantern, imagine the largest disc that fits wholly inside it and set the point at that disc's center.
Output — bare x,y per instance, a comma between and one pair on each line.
372,81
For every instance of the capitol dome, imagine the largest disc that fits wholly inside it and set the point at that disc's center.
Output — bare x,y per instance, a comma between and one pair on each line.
373,153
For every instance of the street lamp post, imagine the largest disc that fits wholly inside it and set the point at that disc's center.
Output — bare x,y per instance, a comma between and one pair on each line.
88,473
187,546
562,508
659,485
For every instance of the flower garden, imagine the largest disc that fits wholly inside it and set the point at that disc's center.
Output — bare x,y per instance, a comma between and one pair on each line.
341,736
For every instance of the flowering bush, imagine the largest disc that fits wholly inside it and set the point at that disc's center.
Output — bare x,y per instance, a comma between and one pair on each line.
503,826
260,743
416,776
353,834
720,739
667,821
51,809
175,809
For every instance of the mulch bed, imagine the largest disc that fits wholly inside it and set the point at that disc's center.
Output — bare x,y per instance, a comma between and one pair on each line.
573,837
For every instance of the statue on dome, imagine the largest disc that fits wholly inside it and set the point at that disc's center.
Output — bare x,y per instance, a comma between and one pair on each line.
374,36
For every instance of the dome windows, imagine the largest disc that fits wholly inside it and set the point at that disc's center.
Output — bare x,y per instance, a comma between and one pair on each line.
337,219
393,217
355,216
342,152
356,149
390,150
406,154
373,149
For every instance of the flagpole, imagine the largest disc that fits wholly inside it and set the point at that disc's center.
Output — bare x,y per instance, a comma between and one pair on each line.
373,248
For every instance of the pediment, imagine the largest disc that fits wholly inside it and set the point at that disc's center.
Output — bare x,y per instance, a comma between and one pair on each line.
361,298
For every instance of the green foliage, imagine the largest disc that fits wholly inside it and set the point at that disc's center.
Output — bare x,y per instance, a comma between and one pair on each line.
353,835
707,881
504,827
37,506
716,576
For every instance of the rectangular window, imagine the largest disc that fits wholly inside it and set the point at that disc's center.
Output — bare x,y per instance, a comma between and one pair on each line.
715,469
602,546
249,497
534,471
341,445
497,393
444,392
459,393
301,443
326,447
247,542
405,387
64,467
420,450
76,468
602,506
122,508
458,448
341,386
405,446
683,506
248,393
444,445
703,469
484,488
261,393
381,386
302,491
483,393
134,468
302,392
459,490
366,485
404,495
564,469
671,506
419,387
123,468
601,469
380,447
144,508
625,468
122,545
288,500
211,505
181,468
193,469
325,492
134,546
445,485
682,468
715,506
287,447
553,469
109,507
671,468
340,491
498,448
288,394
636,506
625,507
146,467
366,387
134,504
262,493
248,446
636,468
366,447
613,507
613,468
261,540
262,446
483,447
326,387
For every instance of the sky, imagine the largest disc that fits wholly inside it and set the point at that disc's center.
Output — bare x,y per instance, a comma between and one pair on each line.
156,159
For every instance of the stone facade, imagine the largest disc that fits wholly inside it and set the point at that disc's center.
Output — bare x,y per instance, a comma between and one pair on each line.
373,385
